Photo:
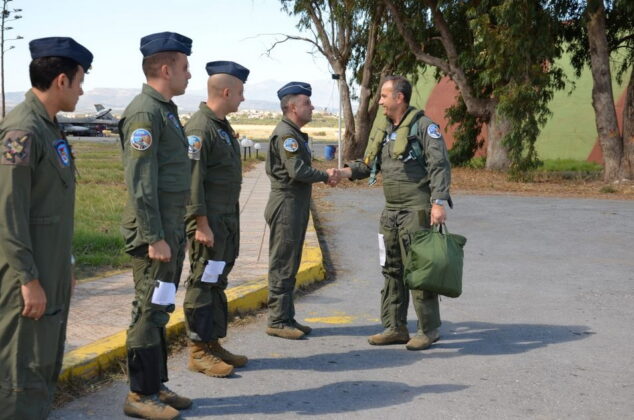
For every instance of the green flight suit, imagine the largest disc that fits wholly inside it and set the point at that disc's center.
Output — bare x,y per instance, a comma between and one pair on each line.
409,189
288,166
157,174
37,199
216,182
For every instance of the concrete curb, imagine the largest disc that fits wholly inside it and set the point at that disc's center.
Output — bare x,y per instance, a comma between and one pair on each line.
91,360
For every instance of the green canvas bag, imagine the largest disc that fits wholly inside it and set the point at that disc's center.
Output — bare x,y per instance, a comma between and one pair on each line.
434,261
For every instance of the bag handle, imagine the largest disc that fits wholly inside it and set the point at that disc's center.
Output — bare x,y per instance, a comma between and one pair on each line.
440,228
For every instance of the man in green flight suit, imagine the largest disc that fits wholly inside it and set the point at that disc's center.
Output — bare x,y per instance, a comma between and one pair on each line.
288,166
157,174
411,154
213,219
37,200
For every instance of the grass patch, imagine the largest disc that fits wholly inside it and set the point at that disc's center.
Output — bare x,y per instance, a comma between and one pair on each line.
559,165
101,196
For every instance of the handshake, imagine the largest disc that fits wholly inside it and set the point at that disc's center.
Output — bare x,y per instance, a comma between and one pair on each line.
335,176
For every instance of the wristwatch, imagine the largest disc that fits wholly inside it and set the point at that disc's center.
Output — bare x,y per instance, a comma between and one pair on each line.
439,202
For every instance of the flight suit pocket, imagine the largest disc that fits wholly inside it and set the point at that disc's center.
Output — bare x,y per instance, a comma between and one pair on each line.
41,348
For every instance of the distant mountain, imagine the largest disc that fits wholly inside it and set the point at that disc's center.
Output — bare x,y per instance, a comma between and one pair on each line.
260,96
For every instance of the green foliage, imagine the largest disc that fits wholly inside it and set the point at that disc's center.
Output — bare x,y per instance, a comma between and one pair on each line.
468,129
506,50
476,163
619,15
516,45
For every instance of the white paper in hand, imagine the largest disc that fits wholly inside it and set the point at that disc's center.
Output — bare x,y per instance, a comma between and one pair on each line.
381,250
164,293
212,271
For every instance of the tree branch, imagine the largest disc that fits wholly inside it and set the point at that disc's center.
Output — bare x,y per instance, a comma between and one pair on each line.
476,106
294,38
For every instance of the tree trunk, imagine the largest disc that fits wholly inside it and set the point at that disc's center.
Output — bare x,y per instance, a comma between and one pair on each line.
497,156
627,165
349,132
602,98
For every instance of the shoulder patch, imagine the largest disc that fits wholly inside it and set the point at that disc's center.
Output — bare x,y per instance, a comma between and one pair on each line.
224,135
141,139
433,131
16,148
291,145
195,144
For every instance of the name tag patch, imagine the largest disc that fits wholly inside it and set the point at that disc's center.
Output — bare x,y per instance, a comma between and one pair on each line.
174,120
63,152
225,136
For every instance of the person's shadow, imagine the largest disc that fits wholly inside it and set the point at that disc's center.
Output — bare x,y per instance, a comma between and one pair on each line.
338,397
457,339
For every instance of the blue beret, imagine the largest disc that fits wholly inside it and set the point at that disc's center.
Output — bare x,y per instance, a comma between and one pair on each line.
165,41
295,88
61,47
228,67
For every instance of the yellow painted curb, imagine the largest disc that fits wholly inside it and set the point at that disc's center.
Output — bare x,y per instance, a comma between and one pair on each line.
91,360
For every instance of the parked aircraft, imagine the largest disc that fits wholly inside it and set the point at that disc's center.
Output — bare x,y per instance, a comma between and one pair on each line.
91,125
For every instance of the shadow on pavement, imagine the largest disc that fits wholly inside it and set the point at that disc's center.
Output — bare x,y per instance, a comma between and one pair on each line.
488,339
372,358
480,338
340,397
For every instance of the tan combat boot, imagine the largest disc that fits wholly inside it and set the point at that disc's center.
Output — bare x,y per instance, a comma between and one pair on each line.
423,341
235,360
200,360
169,397
389,336
290,333
148,407
303,328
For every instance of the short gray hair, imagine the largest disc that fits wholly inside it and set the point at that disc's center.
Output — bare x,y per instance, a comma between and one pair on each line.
400,85
286,101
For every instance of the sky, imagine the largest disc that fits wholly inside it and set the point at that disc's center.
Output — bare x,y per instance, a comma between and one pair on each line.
238,30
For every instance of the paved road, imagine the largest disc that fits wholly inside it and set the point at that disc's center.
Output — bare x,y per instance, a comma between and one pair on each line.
542,330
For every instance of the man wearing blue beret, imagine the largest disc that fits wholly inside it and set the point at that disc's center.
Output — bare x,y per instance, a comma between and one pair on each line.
157,175
288,166
37,197
213,223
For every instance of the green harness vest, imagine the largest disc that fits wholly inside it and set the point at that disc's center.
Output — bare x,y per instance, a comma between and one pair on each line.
405,135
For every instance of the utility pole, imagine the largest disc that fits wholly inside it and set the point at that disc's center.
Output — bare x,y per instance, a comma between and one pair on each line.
6,17
337,77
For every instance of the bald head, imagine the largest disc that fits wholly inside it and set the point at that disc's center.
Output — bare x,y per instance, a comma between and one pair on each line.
224,93
217,83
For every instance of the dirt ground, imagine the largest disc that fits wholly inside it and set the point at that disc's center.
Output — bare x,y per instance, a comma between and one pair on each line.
480,181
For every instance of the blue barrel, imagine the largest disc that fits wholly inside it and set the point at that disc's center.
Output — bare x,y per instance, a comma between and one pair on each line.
329,151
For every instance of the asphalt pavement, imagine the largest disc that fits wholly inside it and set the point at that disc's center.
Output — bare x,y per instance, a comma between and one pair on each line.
542,330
